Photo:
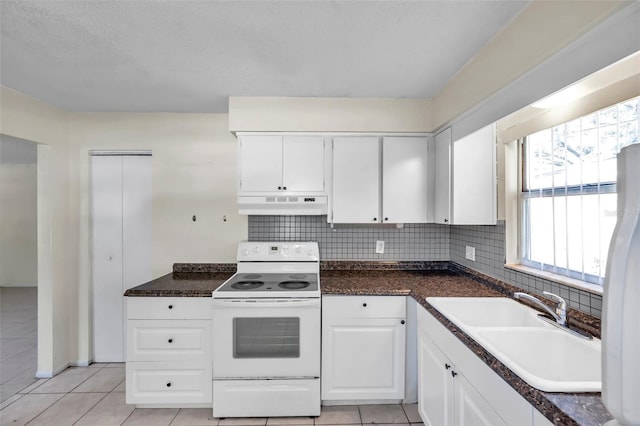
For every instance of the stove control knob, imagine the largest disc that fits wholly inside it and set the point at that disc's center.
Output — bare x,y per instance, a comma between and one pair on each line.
256,249
298,249
245,252
309,253
285,250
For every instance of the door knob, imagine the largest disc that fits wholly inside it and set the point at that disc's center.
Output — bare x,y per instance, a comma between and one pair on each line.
109,258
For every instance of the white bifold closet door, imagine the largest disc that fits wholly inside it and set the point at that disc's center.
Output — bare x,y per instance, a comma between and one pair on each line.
121,222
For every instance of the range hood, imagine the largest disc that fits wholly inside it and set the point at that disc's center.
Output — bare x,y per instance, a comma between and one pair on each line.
283,205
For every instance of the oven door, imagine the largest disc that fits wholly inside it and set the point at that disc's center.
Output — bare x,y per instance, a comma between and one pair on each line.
266,338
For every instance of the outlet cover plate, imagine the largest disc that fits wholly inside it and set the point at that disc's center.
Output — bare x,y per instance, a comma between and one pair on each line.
470,253
379,247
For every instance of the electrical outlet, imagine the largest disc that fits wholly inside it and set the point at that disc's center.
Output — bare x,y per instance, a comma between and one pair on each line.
470,253
379,247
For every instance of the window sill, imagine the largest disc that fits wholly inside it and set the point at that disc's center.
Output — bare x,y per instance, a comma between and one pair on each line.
560,279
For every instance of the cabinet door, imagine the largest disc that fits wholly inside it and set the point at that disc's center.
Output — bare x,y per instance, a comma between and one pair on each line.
435,384
443,177
363,359
404,179
303,163
260,163
474,178
356,179
471,408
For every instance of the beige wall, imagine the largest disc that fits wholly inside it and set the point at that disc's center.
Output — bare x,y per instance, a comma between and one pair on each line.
263,114
541,30
194,172
29,119
18,214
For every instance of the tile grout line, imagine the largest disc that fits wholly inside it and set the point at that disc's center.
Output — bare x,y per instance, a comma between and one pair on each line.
92,407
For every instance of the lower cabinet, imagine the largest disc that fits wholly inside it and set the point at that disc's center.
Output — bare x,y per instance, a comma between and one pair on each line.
446,397
169,351
363,347
455,387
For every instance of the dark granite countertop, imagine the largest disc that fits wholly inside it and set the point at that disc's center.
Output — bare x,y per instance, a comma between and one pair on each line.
420,280
186,284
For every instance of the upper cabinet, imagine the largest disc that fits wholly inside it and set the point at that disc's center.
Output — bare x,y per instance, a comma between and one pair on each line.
405,179
443,177
465,178
356,179
380,180
281,164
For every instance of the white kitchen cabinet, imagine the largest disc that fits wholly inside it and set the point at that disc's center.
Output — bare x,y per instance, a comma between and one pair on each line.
281,164
380,180
465,175
446,397
363,348
169,351
435,384
443,177
405,176
356,179
456,387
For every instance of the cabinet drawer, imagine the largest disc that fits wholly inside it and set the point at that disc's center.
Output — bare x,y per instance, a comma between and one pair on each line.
168,383
364,306
169,307
168,340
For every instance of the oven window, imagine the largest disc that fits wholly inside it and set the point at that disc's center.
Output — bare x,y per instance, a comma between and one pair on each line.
266,337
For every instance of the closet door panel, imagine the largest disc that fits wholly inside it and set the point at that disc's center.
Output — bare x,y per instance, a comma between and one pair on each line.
136,221
106,175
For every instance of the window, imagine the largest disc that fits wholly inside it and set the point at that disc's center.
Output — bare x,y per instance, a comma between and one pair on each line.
569,191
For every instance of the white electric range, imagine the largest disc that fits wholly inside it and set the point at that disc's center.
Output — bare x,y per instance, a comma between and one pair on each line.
266,333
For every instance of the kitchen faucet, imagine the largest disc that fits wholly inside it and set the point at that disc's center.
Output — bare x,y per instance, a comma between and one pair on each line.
560,314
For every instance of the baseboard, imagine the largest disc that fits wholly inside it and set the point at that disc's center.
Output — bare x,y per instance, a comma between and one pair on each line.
47,374
361,402
44,374
5,285
79,363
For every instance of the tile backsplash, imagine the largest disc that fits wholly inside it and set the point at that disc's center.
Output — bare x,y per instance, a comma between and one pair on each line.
355,242
426,242
489,242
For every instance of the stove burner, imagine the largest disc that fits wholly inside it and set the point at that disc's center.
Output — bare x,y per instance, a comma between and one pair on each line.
297,276
294,285
251,276
247,285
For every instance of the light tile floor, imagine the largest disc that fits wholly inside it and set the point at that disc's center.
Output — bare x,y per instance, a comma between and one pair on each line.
94,395
18,339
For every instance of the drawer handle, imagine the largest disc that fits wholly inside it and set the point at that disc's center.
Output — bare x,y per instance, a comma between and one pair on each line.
447,366
170,340
453,374
364,305
169,384
170,306
401,321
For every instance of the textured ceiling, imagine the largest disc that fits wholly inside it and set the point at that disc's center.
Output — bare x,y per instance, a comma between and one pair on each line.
190,56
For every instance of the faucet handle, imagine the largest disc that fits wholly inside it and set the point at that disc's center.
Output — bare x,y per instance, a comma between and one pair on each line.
561,309
560,300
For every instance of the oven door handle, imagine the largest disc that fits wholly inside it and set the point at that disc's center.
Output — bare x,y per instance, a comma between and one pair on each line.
265,303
